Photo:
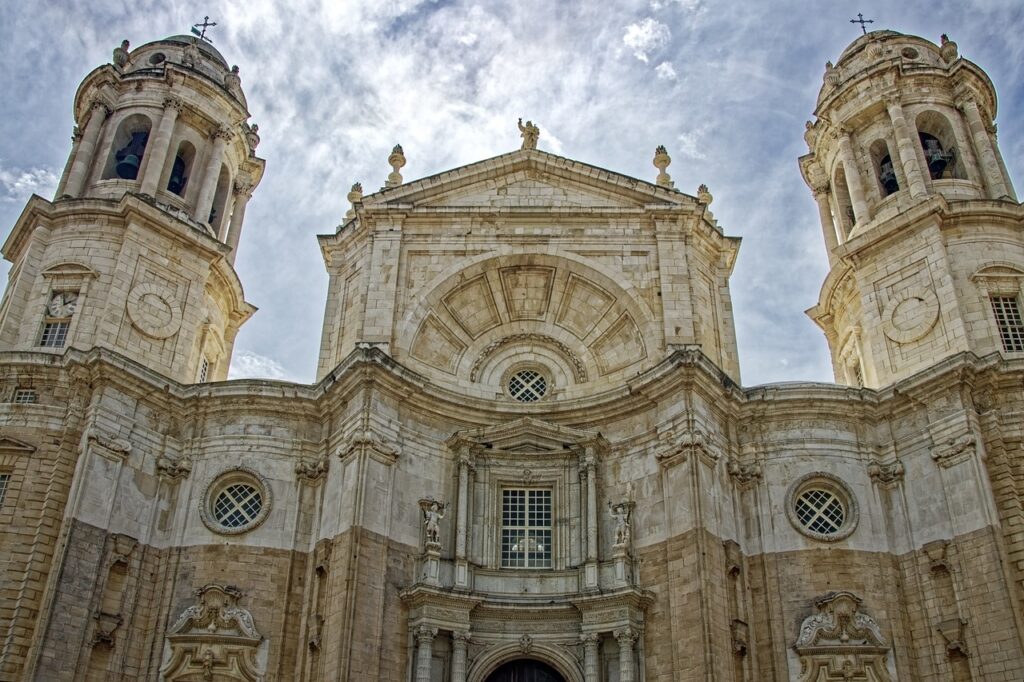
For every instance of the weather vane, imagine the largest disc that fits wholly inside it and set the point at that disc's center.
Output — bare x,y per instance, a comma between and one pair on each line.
859,20
200,29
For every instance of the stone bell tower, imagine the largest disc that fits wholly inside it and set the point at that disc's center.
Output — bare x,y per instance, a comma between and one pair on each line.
135,252
920,219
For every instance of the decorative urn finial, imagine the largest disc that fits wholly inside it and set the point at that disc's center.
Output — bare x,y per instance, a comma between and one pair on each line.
831,76
233,82
661,162
253,138
355,195
396,161
948,49
703,195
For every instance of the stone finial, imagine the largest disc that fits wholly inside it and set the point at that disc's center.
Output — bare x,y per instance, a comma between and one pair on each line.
397,162
661,162
703,195
948,49
252,137
233,82
831,76
121,55
530,134
355,195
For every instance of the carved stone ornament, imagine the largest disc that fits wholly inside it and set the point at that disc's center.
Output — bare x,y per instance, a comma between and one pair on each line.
954,633
214,639
955,450
936,552
173,468
233,82
621,513
740,637
910,315
579,371
530,134
252,137
841,642
104,627
675,446
831,75
108,445
949,50
661,162
191,55
153,311
886,474
370,443
397,161
433,513
525,644
311,470
745,474
121,55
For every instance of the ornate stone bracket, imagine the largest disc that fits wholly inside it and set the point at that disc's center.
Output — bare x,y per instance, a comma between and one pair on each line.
105,625
173,468
887,475
311,471
937,558
372,444
740,637
108,445
955,450
746,475
954,633
841,641
675,446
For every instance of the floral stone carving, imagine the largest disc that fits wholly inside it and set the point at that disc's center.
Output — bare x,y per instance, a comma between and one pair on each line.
841,642
214,639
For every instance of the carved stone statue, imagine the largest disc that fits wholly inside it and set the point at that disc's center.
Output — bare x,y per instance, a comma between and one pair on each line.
121,55
252,137
233,82
530,134
433,514
621,513
190,56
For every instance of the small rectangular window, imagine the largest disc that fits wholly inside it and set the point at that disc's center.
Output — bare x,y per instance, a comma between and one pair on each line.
4,478
25,396
1008,319
54,334
204,371
57,320
526,528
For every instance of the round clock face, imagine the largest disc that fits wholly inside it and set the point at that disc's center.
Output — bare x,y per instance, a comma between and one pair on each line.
62,304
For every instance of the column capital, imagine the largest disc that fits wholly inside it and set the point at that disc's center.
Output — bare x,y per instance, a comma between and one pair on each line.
173,103
590,639
893,99
222,133
964,103
425,634
100,105
242,188
626,636
461,637
76,134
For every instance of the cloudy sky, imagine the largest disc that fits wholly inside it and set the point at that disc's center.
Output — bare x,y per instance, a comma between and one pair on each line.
333,85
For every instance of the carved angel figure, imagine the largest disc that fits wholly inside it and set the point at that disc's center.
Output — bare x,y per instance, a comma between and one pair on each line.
621,513
432,517
530,134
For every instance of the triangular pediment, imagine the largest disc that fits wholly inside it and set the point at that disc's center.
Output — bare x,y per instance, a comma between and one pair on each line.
528,179
10,446
527,434
69,269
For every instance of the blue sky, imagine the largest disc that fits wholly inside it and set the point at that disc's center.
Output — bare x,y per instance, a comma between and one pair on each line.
335,85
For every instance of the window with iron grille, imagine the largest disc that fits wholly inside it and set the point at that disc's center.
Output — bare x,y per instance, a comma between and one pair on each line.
525,528
527,386
4,479
237,505
57,321
25,396
820,511
204,371
1008,319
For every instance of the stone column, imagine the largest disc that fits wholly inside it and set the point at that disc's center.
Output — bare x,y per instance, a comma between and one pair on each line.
906,146
210,175
990,168
588,473
76,139
86,149
461,521
828,225
626,638
159,146
853,179
591,669
460,645
425,651
243,192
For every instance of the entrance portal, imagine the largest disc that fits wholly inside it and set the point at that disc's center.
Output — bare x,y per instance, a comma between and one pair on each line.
525,671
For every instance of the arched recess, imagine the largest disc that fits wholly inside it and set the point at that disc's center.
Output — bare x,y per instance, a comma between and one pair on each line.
181,168
942,158
885,168
220,199
843,209
128,148
497,309
492,659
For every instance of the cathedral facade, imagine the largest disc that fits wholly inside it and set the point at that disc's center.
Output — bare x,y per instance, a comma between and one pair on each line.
528,456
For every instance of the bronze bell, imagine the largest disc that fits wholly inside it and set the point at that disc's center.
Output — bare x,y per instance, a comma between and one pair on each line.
887,175
129,157
128,167
177,181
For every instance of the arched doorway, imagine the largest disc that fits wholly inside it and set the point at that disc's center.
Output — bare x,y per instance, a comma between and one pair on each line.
525,670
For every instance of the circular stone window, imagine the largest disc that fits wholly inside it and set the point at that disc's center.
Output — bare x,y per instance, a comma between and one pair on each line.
157,58
236,501
527,385
909,53
822,507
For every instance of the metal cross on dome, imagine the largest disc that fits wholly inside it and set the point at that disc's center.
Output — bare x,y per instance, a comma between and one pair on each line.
862,21
200,29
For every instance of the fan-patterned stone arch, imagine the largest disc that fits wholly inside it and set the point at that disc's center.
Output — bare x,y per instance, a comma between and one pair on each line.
567,314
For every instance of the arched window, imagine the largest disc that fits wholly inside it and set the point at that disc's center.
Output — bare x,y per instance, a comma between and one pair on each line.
844,205
220,200
884,168
939,146
181,168
128,148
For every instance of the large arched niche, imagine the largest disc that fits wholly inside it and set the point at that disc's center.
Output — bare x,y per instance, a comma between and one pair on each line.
492,659
476,324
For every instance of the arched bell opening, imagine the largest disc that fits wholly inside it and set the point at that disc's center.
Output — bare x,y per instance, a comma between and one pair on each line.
938,144
181,168
885,169
843,209
128,148
220,200
525,670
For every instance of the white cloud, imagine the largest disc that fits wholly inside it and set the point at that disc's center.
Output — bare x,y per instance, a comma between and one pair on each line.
690,144
666,71
688,5
245,364
646,36
17,185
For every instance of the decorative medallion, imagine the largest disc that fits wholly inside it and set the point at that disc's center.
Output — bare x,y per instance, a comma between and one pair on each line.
152,311
910,315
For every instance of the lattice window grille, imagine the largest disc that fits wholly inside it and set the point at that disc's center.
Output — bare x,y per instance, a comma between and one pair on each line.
204,371
4,480
820,511
527,386
237,505
25,396
55,334
526,528
1008,319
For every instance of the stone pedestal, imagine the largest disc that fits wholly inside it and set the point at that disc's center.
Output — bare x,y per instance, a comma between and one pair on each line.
620,555
431,573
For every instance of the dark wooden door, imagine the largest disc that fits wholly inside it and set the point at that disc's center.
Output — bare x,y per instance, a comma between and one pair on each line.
525,671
